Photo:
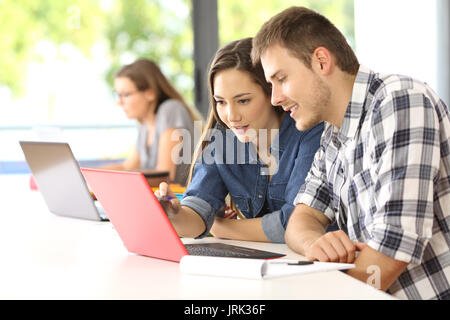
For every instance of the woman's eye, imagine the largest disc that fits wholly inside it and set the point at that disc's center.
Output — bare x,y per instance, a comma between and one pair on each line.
244,101
219,102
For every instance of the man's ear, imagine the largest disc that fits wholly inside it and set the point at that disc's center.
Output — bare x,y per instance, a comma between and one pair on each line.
322,60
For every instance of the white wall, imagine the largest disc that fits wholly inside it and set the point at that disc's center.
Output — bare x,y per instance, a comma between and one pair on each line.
443,54
398,36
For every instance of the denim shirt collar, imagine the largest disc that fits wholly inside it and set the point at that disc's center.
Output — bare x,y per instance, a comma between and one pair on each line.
281,139
279,142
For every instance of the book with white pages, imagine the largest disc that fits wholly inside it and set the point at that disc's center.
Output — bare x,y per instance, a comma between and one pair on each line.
254,268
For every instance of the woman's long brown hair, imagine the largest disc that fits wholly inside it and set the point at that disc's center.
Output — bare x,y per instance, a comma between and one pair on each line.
234,55
146,74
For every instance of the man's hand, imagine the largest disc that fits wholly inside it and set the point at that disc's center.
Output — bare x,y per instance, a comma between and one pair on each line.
333,247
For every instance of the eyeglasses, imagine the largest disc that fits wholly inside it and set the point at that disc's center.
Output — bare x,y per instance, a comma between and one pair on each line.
123,96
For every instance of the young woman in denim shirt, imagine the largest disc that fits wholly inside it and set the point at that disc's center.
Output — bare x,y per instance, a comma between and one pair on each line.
250,150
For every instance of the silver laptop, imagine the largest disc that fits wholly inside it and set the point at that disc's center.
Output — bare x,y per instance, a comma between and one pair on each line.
60,181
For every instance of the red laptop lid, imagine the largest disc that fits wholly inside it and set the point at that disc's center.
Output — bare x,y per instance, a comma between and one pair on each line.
135,213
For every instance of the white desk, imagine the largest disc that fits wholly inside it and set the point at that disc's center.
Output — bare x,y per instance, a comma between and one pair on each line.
44,256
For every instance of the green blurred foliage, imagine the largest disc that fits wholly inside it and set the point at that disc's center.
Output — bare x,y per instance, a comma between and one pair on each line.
239,19
133,28
26,22
129,29
142,28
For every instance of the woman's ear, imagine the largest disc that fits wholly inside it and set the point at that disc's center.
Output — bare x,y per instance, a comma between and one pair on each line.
150,95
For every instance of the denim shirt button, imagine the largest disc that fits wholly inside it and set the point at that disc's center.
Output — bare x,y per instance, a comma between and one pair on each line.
260,196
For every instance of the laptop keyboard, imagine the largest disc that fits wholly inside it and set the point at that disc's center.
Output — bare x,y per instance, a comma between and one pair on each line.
224,250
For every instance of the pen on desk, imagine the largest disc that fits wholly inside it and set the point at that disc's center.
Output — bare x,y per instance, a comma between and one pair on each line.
292,262
300,263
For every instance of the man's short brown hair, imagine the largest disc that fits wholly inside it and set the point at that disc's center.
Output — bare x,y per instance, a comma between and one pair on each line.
301,31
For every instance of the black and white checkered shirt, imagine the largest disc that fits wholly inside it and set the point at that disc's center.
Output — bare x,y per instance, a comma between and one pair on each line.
384,175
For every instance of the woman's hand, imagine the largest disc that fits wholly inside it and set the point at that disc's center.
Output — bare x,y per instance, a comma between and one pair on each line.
226,213
168,200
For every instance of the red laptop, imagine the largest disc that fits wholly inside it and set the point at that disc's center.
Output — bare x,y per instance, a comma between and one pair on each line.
142,224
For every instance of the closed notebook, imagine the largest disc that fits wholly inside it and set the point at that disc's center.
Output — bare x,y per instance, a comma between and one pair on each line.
253,268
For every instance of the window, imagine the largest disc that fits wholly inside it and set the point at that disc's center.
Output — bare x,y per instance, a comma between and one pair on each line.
239,19
57,60
57,65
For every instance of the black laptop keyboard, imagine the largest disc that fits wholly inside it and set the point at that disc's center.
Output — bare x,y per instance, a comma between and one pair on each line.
225,250
214,252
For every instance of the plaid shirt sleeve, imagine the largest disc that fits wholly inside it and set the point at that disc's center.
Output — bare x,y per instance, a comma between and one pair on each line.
314,192
404,146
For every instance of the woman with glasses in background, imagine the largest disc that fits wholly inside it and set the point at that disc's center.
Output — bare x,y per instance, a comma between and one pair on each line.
163,116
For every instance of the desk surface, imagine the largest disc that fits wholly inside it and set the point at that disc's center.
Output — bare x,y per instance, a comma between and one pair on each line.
49,257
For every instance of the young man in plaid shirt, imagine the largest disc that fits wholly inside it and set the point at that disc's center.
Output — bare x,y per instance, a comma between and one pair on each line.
382,171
